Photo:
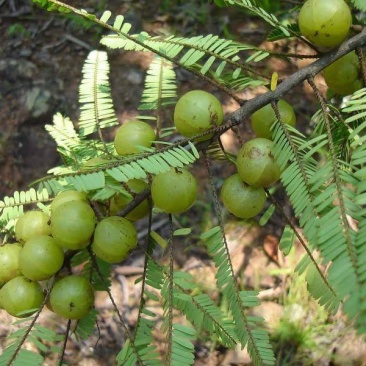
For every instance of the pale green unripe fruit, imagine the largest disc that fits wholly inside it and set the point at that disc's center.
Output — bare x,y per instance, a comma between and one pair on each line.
9,262
21,297
342,76
263,118
119,201
114,238
131,135
174,191
40,258
240,199
197,111
66,196
72,224
32,223
72,297
325,23
255,163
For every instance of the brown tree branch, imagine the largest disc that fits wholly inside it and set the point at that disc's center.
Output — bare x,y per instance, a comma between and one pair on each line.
295,79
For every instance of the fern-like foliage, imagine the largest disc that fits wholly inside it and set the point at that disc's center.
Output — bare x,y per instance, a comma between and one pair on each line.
359,4
182,347
201,311
209,52
271,19
16,354
356,122
63,132
142,348
294,154
51,6
160,87
153,162
95,100
12,207
249,329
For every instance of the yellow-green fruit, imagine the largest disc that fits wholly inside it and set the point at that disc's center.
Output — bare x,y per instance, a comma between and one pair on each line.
72,224
325,23
21,297
174,191
131,135
263,118
255,163
114,238
66,196
32,223
240,199
343,71
40,258
342,76
120,201
9,262
197,111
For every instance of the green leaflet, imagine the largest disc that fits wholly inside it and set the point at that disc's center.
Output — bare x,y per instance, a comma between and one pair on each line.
63,132
35,334
12,207
359,4
50,6
131,168
287,240
203,52
182,347
303,182
271,19
95,99
86,326
160,85
249,330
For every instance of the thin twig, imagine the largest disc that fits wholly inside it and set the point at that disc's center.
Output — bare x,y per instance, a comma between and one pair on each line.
361,59
78,41
171,292
67,333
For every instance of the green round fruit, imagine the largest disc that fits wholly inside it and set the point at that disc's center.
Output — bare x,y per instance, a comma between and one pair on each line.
342,76
119,201
174,191
72,224
9,262
263,118
131,135
255,163
325,23
32,223
344,71
197,111
240,199
66,196
72,297
40,258
114,238
21,297
346,89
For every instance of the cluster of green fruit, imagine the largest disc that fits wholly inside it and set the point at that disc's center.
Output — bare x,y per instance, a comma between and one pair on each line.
173,191
326,24
243,193
39,255
43,239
